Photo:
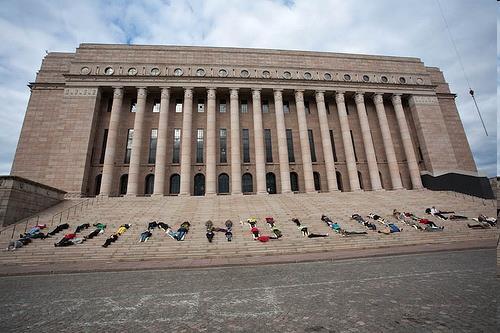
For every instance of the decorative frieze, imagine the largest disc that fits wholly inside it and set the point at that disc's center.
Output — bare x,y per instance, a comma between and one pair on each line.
80,92
420,99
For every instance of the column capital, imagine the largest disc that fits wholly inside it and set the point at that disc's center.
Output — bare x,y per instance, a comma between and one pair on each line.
278,93
339,96
117,92
142,92
188,92
256,92
378,98
359,97
233,92
165,92
211,93
396,98
299,95
320,96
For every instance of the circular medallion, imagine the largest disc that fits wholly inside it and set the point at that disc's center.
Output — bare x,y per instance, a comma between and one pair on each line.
327,76
155,71
307,76
85,71
132,71
402,80
222,72
244,73
420,81
347,77
200,72
178,72
384,79
366,78
266,74
109,71
287,75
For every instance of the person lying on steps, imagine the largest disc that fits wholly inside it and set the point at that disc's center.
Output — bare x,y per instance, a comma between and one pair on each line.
358,218
16,244
152,225
479,225
389,227
229,230
483,218
181,232
145,235
99,230
336,227
59,228
210,231
163,226
111,239
305,232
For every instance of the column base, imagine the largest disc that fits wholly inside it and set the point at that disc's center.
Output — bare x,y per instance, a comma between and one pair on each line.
184,194
157,195
212,194
130,195
378,190
262,193
357,190
397,189
237,193
311,192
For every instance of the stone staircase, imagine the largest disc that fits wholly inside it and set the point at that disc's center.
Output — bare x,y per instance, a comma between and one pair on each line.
307,207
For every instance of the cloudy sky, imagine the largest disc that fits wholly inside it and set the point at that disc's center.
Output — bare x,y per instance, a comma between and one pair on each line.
385,27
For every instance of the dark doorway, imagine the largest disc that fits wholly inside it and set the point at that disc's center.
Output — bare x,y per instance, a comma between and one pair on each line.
97,189
199,184
271,183
294,181
339,181
123,184
150,183
317,181
223,183
175,184
246,183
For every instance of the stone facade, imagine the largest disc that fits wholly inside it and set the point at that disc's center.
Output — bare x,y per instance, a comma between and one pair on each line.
377,122
20,198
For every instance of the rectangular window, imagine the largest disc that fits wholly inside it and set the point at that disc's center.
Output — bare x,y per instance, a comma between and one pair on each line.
334,151
156,106
133,105
246,145
103,148
286,107
354,147
243,106
265,106
311,145
110,105
177,145
199,145
222,145
269,145
201,105
178,105
306,106
152,146
128,151
289,144
222,106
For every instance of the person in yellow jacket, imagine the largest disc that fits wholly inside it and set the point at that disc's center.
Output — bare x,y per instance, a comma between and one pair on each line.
123,228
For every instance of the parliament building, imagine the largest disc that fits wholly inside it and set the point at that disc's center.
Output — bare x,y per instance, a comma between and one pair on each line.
140,120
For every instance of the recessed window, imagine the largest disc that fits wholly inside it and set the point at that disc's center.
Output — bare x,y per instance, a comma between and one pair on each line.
268,145
327,76
109,71
201,105
402,80
223,145
155,71
133,105
311,145
132,71
266,74
222,106
178,72
152,146
85,71
156,106
199,145
243,106
384,79
103,147
347,77
366,78
307,76
244,73
110,105
200,72
222,72
177,145
289,144
306,107
265,106
286,107
245,139
128,148
178,105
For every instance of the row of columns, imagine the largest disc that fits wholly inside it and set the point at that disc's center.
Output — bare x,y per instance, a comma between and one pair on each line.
211,134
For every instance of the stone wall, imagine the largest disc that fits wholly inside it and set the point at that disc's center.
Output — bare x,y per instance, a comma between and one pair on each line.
20,198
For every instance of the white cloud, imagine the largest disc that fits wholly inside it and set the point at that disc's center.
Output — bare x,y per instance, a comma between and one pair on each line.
389,27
